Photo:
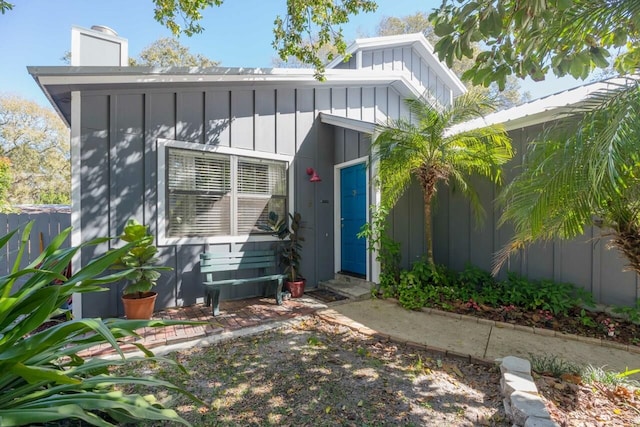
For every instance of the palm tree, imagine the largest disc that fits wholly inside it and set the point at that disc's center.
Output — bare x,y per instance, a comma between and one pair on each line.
584,171
426,148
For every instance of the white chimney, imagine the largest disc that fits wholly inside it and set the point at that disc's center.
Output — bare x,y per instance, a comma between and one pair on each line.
99,46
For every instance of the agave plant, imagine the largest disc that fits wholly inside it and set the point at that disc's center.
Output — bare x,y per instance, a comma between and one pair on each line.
44,377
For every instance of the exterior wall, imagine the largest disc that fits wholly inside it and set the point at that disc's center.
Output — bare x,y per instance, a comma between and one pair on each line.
119,170
404,59
459,240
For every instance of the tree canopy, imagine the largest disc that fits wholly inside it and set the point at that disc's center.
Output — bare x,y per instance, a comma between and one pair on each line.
36,143
169,52
532,37
308,27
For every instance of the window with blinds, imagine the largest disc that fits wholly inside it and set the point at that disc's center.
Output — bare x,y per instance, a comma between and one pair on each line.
212,194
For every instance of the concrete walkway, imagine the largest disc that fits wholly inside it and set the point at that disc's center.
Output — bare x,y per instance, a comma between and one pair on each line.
468,336
449,333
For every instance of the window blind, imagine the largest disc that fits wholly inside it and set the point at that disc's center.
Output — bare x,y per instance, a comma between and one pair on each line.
202,196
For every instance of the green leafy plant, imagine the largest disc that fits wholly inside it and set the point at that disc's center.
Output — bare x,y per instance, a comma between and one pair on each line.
387,250
290,249
611,379
631,313
140,260
425,285
586,320
553,365
44,374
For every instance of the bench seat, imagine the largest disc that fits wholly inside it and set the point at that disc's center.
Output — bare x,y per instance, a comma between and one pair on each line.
215,262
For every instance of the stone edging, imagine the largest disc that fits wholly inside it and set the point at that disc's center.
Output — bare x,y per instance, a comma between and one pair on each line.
522,403
533,330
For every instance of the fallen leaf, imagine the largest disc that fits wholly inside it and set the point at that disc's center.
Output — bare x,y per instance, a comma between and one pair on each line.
360,403
570,378
457,371
327,409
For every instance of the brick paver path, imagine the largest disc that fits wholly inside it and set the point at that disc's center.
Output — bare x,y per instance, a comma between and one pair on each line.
233,315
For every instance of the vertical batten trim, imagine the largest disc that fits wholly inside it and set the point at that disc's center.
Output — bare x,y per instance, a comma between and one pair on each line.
276,115
255,122
358,59
76,193
376,196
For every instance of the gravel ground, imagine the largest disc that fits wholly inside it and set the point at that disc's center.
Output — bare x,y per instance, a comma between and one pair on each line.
318,374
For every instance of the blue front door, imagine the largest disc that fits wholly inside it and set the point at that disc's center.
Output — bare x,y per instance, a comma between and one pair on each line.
353,215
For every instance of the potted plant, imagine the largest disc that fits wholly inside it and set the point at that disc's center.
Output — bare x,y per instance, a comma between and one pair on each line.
289,249
137,297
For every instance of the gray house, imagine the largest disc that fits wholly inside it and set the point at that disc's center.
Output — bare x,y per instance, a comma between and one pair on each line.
203,155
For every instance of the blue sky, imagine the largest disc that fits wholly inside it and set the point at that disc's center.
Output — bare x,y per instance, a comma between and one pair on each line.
239,33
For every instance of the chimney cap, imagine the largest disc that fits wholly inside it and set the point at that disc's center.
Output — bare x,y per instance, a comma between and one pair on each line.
104,29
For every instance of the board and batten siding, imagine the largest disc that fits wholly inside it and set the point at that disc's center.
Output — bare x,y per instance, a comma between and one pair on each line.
458,240
119,170
403,58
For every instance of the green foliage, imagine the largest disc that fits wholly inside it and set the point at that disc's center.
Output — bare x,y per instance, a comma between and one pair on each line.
424,149
309,26
436,286
36,142
426,284
587,320
290,250
631,313
611,379
169,52
140,260
5,6
531,37
582,172
51,196
5,182
387,250
172,13
554,365
44,377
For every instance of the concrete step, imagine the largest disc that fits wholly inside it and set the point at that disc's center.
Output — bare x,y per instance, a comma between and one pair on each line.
350,287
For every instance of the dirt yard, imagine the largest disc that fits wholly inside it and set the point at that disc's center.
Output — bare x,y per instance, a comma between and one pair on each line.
317,374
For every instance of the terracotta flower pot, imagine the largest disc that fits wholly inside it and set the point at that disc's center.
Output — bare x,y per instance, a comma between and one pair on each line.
296,288
139,308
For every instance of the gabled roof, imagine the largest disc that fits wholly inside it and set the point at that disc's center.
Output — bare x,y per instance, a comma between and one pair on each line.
416,40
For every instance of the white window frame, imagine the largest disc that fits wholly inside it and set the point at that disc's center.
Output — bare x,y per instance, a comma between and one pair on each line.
161,204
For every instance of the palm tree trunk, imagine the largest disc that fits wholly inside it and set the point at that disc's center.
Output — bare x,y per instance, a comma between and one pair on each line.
427,228
428,178
627,241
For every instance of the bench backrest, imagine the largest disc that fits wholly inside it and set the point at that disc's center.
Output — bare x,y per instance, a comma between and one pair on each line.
213,262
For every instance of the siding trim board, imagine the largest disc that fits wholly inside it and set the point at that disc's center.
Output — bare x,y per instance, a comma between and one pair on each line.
76,195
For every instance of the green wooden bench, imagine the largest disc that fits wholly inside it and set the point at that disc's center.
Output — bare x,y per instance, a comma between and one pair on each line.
214,262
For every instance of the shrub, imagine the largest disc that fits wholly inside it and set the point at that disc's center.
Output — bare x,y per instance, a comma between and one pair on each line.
435,285
44,377
425,285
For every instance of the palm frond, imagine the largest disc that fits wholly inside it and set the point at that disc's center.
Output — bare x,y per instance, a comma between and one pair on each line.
586,166
422,148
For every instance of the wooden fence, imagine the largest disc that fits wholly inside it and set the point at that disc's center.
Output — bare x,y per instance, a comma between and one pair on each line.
48,221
